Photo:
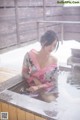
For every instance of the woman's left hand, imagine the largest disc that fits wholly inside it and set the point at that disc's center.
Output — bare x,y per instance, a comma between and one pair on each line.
33,88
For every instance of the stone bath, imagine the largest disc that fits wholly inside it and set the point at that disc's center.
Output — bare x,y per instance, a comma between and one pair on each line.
66,106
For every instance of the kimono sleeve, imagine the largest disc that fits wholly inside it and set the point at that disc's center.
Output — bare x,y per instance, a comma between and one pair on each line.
52,78
25,67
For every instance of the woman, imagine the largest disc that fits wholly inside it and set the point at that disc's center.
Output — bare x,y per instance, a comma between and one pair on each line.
39,68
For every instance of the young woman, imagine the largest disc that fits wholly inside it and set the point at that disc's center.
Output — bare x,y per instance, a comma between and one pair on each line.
39,68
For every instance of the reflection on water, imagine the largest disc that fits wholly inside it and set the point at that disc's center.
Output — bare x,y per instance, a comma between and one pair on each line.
22,87
68,85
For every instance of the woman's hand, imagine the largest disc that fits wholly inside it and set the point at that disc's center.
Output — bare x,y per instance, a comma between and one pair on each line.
37,82
32,88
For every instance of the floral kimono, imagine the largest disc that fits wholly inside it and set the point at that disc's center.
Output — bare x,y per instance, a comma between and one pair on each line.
46,75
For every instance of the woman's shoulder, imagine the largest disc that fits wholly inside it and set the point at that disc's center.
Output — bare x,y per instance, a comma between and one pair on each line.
31,54
54,60
33,51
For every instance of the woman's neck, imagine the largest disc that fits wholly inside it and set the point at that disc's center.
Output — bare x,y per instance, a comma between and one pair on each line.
43,54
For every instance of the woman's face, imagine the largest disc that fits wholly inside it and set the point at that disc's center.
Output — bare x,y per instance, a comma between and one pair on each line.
50,48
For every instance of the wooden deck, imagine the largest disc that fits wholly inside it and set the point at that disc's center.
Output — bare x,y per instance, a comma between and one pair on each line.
6,74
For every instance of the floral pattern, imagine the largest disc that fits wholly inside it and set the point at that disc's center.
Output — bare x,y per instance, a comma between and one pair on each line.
46,75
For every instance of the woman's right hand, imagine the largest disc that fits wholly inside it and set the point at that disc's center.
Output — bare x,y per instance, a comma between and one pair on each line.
36,81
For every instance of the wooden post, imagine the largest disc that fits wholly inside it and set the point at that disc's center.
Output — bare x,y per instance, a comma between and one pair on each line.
62,33
44,10
44,14
37,31
17,22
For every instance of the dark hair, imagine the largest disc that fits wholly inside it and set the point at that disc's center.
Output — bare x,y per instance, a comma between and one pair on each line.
48,38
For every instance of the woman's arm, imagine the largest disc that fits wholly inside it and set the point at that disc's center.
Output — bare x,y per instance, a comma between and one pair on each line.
25,68
45,85
37,87
36,81
26,71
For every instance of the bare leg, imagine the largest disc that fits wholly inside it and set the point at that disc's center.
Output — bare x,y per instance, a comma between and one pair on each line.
47,98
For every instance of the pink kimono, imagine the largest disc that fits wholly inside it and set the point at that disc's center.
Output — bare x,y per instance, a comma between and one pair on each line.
46,75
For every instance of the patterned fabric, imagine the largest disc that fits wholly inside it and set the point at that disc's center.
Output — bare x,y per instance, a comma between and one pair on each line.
46,75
